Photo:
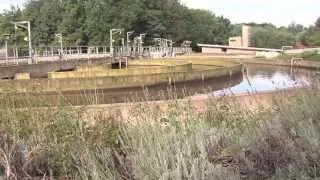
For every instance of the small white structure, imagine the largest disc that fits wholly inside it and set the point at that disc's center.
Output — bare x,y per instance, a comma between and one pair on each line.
268,55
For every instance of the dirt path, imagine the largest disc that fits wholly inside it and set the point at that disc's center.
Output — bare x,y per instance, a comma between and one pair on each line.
123,112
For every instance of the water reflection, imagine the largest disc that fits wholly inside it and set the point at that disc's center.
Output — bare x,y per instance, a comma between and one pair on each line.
269,78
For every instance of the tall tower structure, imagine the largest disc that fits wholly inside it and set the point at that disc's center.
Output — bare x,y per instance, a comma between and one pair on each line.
246,34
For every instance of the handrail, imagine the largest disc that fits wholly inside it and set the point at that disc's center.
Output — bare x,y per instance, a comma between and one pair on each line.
294,59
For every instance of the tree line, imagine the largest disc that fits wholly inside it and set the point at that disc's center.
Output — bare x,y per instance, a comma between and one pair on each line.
87,22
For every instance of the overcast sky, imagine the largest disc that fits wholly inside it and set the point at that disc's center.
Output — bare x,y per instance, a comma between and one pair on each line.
278,12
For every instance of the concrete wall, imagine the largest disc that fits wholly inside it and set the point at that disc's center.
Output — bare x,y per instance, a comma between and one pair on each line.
22,76
144,68
42,69
243,40
246,33
244,52
54,85
209,50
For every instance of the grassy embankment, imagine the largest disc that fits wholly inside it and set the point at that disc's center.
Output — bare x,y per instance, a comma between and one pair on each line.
310,56
281,141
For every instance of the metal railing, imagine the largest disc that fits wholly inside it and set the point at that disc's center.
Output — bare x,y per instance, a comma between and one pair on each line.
18,55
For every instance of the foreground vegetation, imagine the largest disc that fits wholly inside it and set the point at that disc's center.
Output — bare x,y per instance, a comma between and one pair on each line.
223,141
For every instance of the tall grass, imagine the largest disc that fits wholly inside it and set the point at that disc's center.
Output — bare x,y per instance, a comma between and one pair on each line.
222,141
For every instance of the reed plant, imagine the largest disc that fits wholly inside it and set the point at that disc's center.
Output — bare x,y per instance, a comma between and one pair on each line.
221,141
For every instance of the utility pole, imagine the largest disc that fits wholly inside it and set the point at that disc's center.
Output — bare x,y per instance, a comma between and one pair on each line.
26,25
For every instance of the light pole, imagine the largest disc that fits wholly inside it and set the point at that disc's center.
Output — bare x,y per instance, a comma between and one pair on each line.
187,45
128,39
6,37
26,25
6,46
122,42
141,36
59,35
157,41
113,31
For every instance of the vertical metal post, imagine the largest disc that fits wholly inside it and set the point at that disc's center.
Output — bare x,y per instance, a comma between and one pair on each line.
6,44
61,52
21,24
16,55
128,41
122,48
111,44
61,44
30,43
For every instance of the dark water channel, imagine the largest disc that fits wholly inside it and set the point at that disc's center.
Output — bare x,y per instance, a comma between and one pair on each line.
254,79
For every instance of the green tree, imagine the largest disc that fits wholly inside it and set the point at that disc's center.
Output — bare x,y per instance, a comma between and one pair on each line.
16,36
311,36
295,28
89,21
271,37
73,21
44,15
204,27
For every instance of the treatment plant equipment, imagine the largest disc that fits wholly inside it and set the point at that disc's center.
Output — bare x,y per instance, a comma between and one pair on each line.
132,73
129,47
117,80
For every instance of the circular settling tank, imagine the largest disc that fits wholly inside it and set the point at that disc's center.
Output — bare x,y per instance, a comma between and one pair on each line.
138,80
137,73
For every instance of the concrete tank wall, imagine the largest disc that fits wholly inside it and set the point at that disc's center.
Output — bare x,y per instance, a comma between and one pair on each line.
155,67
54,85
42,69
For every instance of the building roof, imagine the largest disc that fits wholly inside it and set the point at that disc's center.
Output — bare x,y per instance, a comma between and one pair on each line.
240,48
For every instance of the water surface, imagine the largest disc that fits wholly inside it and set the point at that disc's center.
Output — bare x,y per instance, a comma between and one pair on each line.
269,78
